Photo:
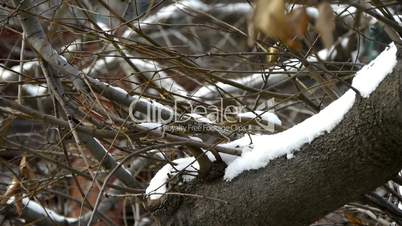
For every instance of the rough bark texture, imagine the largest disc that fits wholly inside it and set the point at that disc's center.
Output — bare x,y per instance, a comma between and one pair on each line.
360,154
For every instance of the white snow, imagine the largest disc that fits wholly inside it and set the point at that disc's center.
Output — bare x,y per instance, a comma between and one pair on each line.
104,28
326,54
268,147
234,7
195,138
210,91
290,155
200,118
151,125
343,9
266,116
400,192
370,76
311,11
35,90
158,185
10,75
259,150
340,10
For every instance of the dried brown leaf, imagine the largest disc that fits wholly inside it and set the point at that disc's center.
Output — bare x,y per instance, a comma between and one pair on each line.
298,21
325,24
19,206
13,189
353,220
25,170
269,18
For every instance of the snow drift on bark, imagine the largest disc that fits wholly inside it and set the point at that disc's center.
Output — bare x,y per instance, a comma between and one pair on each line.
259,150
268,147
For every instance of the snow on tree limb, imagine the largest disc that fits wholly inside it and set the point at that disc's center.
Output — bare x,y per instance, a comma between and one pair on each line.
259,150
268,147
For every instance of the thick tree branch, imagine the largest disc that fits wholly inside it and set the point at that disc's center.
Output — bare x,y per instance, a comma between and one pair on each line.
39,42
360,154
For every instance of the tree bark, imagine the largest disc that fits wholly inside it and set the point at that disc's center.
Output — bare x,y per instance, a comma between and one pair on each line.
360,154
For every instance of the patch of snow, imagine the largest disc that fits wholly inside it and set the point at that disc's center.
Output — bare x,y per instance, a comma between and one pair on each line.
151,125
342,9
195,138
380,191
266,116
234,7
345,42
339,9
370,76
397,18
327,54
312,12
354,56
193,4
35,90
290,155
400,192
158,185
200,118
104,28
10,75
227,158
210,91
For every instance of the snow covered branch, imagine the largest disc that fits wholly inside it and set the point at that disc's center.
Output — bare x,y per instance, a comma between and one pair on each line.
356,137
